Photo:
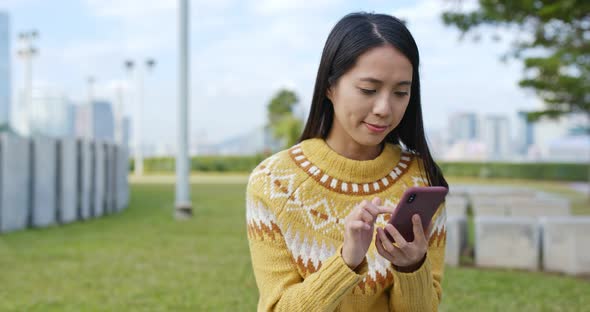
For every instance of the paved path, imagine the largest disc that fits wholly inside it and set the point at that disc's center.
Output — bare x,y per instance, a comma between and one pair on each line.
198,179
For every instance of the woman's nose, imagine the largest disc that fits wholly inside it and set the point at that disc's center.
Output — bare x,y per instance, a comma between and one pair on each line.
382,106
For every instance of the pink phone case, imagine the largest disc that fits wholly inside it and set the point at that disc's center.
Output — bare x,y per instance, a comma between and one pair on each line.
424,201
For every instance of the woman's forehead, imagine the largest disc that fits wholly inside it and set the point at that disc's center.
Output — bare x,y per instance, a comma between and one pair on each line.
383,64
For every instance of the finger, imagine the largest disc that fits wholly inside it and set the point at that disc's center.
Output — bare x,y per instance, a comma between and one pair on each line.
381,250
418,229
395,252
358,225
385,242
365,216
399,239
378,209
371,208
376,201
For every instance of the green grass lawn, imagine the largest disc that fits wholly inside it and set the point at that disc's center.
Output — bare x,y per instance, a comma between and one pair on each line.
143,260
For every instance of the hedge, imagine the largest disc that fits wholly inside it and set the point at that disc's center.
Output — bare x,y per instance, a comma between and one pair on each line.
531,171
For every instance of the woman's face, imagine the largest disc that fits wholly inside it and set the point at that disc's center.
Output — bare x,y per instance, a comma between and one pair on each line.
371,98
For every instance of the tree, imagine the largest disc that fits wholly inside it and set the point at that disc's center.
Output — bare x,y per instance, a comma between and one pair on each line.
282,103
281,120
288,129
5,127
555,47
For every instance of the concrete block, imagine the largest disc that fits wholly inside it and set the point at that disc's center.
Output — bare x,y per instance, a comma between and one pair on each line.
507,242
491,191
456,205
520,206
488,206
537,207
44,175
456,227
122,174
111,178
15,182
566,244
67,168
100,181
85,179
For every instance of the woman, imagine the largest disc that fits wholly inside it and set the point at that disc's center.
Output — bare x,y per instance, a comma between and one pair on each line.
317,213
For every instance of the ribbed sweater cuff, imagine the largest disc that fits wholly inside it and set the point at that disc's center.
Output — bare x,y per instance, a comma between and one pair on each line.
415,284
338,278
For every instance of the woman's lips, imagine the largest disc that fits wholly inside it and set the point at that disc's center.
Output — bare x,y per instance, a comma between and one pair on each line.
375,128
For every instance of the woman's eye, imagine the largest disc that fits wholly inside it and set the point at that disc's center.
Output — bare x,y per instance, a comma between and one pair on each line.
367,91
400,93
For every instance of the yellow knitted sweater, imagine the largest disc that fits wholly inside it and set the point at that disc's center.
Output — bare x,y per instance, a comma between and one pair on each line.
297,200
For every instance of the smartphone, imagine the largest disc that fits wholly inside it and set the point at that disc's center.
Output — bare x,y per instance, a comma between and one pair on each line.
421,200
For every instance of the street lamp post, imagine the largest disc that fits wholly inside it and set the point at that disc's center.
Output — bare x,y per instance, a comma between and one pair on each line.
183,203
137,121
27,52
91,124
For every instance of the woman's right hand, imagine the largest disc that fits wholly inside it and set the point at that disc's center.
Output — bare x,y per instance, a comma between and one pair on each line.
359,228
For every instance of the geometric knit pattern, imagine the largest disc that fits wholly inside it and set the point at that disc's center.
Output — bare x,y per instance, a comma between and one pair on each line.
295,210
347,187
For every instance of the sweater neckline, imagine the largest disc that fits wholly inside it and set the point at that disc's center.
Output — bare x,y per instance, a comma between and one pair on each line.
350,176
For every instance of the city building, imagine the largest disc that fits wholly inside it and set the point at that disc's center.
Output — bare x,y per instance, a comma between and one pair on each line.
96,121
525,133
463,127
5,74
51,114
496,137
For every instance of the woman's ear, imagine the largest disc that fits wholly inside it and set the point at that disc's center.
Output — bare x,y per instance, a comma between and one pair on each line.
329,92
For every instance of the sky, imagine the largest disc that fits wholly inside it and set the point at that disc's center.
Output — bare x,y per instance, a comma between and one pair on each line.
242,53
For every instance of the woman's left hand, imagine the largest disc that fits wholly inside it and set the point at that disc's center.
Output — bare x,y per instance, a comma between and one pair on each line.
406,256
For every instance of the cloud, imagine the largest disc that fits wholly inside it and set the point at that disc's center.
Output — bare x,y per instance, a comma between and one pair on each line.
243,52
16,4
285,7
461,75
131,9
246,68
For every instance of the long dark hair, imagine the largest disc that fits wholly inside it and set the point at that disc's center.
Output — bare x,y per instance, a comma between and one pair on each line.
353,35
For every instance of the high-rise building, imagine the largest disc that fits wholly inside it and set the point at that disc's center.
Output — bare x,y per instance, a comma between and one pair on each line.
96,121
557,139
125,131
463,127
51,114
525,136
496,137
5,80
103,121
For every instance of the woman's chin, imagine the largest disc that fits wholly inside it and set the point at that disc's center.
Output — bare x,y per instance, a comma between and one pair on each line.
370,140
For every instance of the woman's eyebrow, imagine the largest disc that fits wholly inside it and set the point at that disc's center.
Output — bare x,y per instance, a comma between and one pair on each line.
374,80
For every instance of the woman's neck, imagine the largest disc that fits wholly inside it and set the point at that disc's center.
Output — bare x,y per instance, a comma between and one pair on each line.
353,150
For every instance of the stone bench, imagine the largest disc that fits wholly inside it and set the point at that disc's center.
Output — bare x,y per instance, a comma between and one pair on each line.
456,205
456,241
507,242
539,207
517,206
566,244
492,191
